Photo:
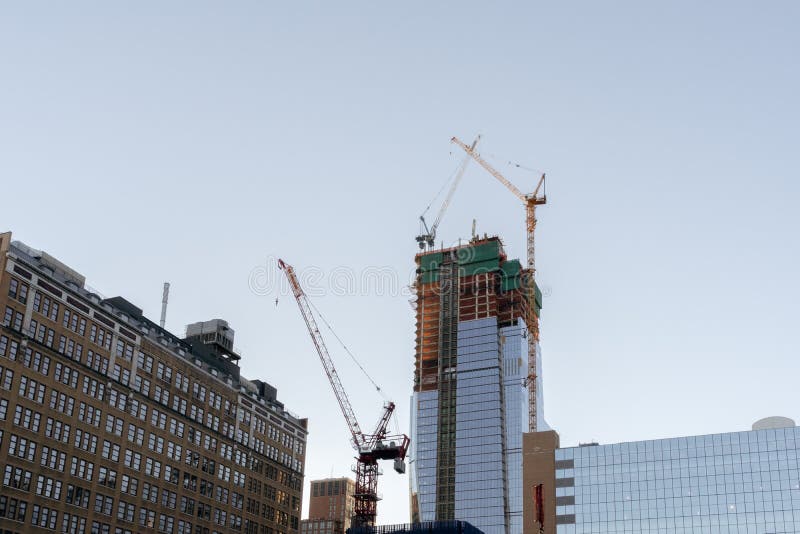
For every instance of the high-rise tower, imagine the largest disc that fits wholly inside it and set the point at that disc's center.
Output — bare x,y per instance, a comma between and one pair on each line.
470,401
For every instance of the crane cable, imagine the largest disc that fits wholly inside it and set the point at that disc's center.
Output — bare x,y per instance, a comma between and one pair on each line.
449,179
512,163
322,317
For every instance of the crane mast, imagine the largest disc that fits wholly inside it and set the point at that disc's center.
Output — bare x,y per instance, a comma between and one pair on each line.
370,447
531,201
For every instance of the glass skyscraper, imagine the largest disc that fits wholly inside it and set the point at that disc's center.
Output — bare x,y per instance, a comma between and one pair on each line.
470,404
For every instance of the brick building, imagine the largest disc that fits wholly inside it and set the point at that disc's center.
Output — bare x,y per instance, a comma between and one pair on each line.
330,508
111,424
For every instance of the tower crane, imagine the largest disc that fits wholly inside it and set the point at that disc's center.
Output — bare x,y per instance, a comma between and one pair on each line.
370,447
531,201
429,237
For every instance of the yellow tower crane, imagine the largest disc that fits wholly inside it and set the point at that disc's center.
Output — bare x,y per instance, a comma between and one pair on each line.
531,201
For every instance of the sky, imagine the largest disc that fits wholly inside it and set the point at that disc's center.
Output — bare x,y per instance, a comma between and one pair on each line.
197,142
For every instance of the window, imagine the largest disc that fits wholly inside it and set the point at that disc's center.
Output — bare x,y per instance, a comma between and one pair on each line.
53,459
171,474
169,499
158,419
133,460
152,467
13,287
107,477
129,485
62,403
179,404
155,443
182,382
78,496
56,430
114,425
85,441
27,418
141,385
31,389
48,487
174,451
164,372
66,375
110,451
73,524
13,318
144,362
89,414
117,399
135,434
137,409
125,511
93,388
103,504
176,428
147,518
81,468
6,378
22,448
13,509
149,492
16,477
161,395
97,362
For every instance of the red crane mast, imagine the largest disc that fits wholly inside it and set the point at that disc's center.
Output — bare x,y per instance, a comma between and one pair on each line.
370,447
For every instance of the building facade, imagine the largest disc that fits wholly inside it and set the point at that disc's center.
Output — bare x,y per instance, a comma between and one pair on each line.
111,424
470,404
330,508
739,482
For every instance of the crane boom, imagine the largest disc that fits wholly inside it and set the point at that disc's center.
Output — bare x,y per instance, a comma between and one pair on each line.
483,163
461,170
341,396
530,201
371,447
429,236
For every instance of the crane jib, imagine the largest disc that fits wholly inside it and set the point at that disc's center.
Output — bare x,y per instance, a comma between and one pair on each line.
371,447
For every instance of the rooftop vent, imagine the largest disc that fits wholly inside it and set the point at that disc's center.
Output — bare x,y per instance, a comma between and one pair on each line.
776,421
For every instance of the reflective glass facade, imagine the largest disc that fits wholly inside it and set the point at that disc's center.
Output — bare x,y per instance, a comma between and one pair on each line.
740,482
424,412
491,413
480,466
514,350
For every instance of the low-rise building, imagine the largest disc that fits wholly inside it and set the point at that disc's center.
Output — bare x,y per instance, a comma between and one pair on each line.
330,508
737,482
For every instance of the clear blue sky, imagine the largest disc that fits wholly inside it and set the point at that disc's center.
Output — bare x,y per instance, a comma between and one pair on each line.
190,141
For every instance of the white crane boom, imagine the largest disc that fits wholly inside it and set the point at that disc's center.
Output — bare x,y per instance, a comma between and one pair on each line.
429,237
471,151
530,201
359,440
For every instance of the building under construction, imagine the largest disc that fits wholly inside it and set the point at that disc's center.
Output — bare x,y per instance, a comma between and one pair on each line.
477,315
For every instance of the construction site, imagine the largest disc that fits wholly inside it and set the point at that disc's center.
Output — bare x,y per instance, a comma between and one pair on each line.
477,376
